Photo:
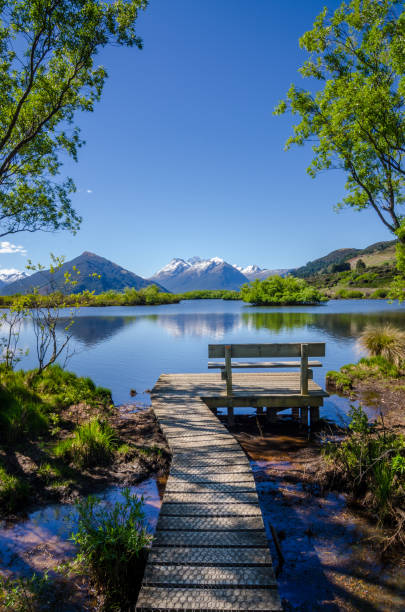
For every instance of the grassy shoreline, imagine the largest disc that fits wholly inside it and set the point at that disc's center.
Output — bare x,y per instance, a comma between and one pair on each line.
61,436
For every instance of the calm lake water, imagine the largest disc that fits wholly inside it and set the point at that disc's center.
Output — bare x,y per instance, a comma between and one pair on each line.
126,348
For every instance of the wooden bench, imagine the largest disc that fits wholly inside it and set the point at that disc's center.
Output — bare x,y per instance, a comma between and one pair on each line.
278,391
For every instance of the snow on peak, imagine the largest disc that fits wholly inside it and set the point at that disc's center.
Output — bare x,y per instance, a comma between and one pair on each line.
10,275
175,266
252,269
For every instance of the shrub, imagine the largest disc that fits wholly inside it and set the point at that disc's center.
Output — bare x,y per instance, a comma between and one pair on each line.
278,290
13,491
371,465
379,293
384,341
354,294
92,443
112,542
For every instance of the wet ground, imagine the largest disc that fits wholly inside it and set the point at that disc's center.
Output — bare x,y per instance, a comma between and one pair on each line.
331,557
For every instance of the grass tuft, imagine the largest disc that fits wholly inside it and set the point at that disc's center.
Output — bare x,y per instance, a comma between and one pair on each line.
93,443
384,341
112,542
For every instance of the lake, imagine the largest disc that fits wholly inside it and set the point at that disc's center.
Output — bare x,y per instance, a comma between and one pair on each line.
126,348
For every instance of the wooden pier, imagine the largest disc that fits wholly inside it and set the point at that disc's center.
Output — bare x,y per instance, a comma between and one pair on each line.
210,550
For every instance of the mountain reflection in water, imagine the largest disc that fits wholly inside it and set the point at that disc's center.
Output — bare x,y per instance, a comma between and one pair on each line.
127,348
95,330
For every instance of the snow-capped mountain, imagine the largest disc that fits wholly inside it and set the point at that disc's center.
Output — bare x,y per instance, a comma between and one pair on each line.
182,275
10,275
108,276
252,272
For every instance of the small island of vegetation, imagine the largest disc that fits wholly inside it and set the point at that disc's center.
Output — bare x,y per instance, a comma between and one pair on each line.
276,290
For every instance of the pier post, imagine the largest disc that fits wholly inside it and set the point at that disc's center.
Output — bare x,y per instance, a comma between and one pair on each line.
314,415
304,416
271,414
231,417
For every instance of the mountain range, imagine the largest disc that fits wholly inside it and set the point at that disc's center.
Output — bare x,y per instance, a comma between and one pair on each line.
112,276
179,275
10,276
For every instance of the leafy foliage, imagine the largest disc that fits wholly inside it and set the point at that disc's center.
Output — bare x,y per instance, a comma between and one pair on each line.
112,543
278,290
52,77
357,116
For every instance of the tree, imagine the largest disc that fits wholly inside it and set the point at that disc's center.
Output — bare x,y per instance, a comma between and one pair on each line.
360,265
278,290
48,73
356,118
342,266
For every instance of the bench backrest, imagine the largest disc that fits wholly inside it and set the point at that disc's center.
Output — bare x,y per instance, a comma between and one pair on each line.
287,349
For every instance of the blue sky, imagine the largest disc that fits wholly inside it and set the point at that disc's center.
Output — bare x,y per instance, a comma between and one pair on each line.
183,156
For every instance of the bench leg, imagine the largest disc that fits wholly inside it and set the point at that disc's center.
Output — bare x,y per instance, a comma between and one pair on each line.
314,412
304,416
295,413
231,418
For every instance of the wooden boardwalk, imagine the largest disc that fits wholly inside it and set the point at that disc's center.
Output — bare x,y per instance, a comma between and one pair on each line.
210,550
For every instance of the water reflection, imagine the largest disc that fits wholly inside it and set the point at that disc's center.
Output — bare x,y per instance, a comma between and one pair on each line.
91,331
97,329
125,348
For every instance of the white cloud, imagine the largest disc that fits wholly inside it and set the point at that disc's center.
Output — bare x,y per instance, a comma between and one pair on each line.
89,191
8,247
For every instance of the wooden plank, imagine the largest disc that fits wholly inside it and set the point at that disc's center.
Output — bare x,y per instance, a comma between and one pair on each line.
272,401
288,349
262,364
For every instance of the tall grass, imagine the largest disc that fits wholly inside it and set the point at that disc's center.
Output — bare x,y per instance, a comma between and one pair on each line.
384,341
28,405
92,443
370,464
112,543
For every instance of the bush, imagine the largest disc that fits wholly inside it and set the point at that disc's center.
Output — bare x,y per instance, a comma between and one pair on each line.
379,293
13,491
384,341
112,545
92,443
277,290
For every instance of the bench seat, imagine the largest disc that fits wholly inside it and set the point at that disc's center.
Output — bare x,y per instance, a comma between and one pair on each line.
263,364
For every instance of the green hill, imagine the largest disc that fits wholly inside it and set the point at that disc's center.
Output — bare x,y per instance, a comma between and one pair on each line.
374,255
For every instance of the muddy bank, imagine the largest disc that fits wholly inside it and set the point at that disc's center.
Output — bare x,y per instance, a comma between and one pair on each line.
332,560
384,398
147,453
